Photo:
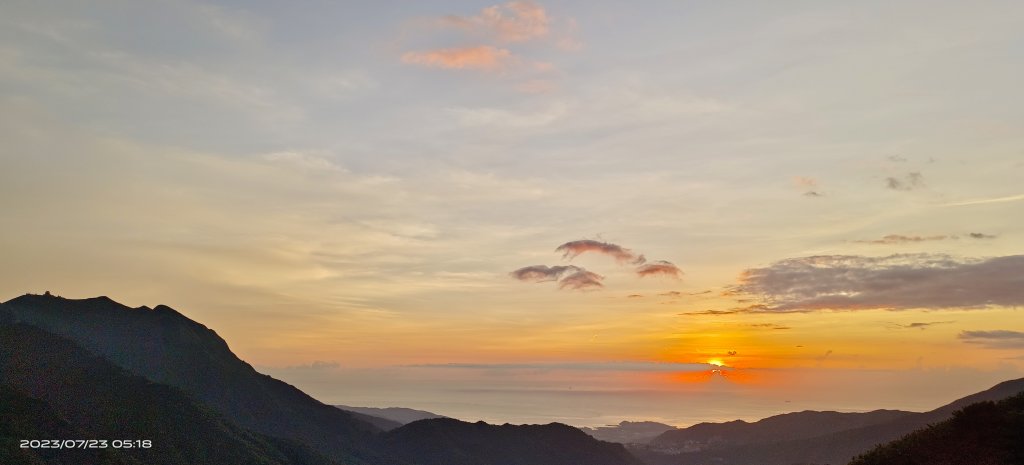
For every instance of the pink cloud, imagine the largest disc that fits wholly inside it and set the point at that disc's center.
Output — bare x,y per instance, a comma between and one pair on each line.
517,21
483,57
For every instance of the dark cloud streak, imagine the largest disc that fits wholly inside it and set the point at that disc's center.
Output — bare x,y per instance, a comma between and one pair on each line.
901,239
903,281
573,249
995,339
542,273
908,182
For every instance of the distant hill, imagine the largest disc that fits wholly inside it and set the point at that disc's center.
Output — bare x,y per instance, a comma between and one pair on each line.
983,433
381,423
453,442
393,416
50,388
833,445
165,347
785,427
629,432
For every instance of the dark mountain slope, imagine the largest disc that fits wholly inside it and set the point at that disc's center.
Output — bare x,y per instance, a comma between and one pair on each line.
984,433
54,389
453,442
23,417
165,347
834,447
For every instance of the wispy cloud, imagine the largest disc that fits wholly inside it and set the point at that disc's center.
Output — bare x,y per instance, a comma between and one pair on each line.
660,267
481,57
808,185
908,182
922,325
575,366
537,86
317,365
903,281
305,160
542,273
995,339
716,312
901,239
1011,198
769,326
574,249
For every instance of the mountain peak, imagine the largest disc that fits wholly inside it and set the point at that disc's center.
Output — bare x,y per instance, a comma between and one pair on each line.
48,299
166,347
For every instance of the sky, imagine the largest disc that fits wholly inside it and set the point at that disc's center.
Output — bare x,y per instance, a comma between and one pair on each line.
528,212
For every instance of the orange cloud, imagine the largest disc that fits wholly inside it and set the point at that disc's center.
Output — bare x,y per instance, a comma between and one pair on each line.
483,57
517,21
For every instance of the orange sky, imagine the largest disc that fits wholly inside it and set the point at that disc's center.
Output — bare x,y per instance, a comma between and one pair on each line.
825,198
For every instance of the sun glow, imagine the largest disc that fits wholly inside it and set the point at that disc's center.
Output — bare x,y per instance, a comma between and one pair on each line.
716,362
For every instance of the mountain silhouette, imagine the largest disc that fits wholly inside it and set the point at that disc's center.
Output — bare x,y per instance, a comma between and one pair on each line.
447,441
165,347
794,442
784,427
982,433
93,368
54,389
